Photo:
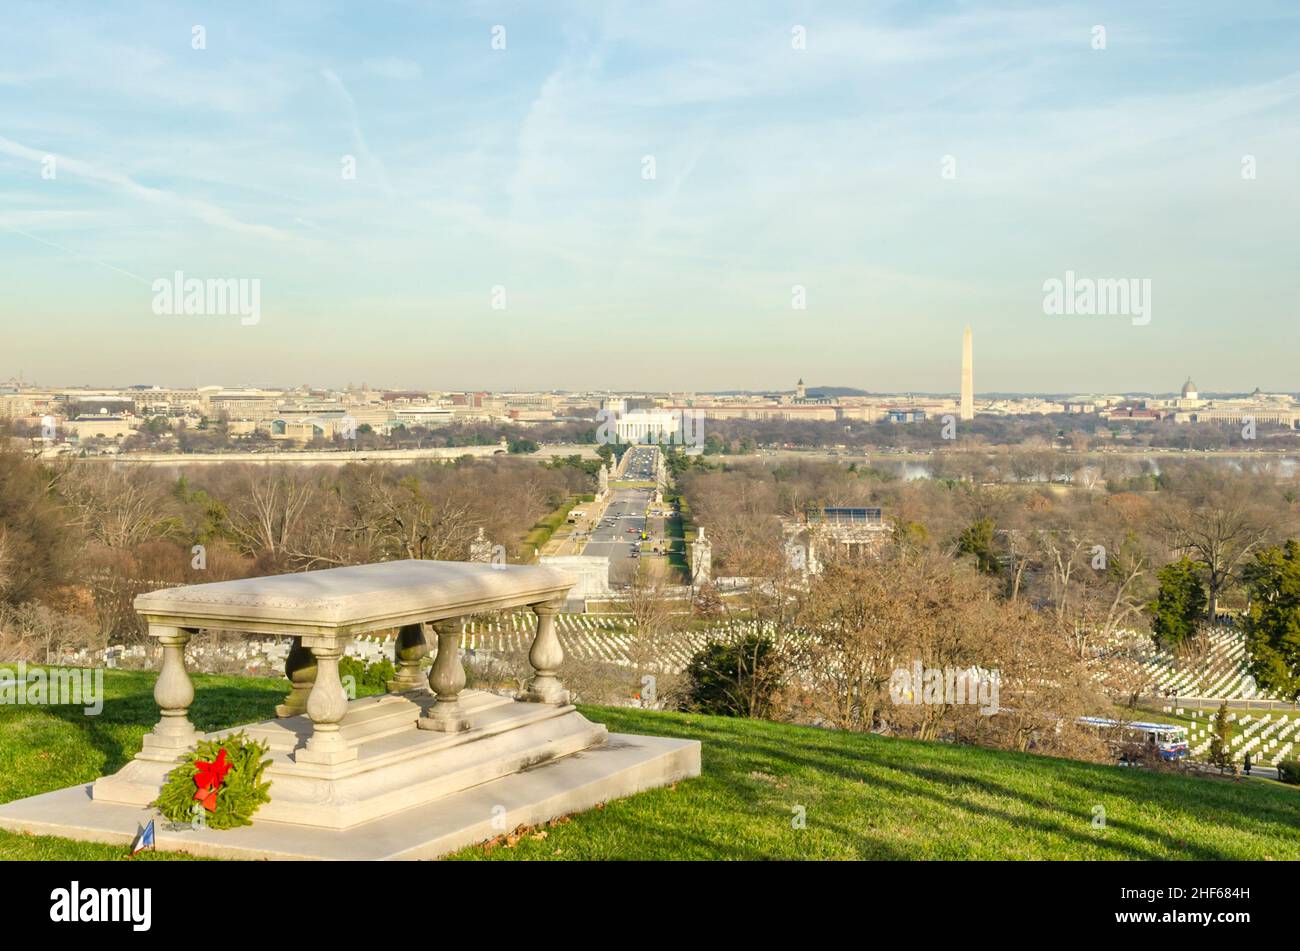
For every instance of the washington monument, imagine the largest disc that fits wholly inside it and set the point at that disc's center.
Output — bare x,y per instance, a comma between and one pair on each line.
967,377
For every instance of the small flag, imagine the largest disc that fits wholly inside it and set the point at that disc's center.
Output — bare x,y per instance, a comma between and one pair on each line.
143,839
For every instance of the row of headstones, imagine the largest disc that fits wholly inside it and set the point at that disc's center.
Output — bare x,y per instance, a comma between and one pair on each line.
1224,671
1250,722
1243,742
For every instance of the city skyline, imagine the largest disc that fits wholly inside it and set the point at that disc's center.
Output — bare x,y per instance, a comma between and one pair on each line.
380,385
680,199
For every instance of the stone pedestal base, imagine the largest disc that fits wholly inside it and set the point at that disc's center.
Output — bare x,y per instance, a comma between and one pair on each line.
444,723
170,740
622,766
390,762
555,695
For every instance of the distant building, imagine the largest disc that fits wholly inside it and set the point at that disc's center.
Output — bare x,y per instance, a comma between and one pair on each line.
648,426
857,529
1279,409
426,416
103,424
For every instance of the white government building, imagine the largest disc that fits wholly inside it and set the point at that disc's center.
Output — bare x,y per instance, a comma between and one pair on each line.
648,425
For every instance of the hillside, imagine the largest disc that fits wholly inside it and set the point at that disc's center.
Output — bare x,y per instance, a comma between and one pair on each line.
864,797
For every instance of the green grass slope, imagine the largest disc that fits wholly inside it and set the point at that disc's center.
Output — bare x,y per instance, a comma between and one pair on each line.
861,797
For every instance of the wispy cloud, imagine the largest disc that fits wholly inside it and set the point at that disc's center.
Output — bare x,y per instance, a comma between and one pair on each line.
199,209
370,163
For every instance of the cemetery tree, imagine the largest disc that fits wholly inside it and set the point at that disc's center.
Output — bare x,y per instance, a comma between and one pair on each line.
38,540
1219,519
1179,605
1220,739
866,616
651,629
977,540
1272,623
737,679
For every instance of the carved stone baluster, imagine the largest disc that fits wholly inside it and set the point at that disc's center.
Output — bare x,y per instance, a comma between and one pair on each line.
326,705
408,649
546,656
300,668
447,680
174,734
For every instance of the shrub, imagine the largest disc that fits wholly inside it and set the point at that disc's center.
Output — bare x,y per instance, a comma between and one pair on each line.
1289,771
369,678
736,679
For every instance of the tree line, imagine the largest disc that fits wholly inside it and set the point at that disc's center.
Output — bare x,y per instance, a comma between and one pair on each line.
1097,574
79,539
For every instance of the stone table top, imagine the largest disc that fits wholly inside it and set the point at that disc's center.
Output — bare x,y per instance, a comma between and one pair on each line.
355,599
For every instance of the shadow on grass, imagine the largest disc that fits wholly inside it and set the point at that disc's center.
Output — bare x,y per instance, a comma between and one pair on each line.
216,706
931,765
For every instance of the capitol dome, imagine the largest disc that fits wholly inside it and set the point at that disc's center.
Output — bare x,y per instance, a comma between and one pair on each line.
1189,390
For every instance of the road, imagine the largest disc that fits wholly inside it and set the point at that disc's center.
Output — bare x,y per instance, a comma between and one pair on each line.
626,510
641,464
612,540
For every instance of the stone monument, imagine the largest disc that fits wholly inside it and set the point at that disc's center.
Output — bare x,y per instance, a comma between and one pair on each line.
423,770
701,559
590,571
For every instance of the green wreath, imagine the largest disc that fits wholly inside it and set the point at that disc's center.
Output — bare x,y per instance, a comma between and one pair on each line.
222,780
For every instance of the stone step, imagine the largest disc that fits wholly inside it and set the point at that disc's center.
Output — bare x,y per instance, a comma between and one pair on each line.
398,765
485,719
369,718
624,765
425,773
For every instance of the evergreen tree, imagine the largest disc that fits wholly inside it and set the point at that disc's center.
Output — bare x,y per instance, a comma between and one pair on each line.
733,680
977,540
1220,739
1179,605
1272,625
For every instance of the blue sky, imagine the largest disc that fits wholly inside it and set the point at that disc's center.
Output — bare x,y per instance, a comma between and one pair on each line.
774,167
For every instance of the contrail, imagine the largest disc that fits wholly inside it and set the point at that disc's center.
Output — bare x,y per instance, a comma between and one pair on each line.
77,254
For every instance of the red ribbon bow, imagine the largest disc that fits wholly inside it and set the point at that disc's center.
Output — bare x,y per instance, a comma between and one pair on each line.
209,778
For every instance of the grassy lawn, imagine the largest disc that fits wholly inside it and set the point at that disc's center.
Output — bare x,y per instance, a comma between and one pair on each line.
47,748
685,523
861,796
675,536
546,526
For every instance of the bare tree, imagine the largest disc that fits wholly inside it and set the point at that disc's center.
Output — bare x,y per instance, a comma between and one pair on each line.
117,508
267,512
1218,518
651,625
408,521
